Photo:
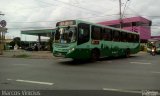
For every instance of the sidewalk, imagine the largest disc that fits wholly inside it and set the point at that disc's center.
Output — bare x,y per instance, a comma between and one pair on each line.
27,54
36,54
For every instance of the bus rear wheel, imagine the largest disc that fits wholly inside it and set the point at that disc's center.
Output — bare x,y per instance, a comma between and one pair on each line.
95,55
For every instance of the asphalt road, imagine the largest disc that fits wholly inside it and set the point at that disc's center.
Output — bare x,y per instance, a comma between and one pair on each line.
139,72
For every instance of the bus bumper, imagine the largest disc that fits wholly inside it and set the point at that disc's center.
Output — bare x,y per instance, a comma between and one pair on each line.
79,54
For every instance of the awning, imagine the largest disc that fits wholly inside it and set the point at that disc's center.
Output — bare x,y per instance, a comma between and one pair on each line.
41,32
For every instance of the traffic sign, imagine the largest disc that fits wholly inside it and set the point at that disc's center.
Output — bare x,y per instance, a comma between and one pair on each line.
3,23
3,29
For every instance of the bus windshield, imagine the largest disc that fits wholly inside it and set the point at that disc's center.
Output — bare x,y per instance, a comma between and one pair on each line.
65,35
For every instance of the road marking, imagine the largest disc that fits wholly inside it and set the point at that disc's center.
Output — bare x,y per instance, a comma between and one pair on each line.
156,72
121,90
140,63
28,81
20,64
9,79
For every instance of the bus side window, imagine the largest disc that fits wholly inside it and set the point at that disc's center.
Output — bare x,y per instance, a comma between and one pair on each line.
116,35
57,35
107,34
83,33
96,33
123,37
129,37
134,38
137,38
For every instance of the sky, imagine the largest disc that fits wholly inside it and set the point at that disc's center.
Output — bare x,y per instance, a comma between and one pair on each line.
43,14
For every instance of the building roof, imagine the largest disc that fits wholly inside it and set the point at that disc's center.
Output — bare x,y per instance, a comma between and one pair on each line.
125,20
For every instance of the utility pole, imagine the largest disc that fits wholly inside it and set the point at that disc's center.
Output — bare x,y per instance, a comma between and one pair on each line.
2,34
120,13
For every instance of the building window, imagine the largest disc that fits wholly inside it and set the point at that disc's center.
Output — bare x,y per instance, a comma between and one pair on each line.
126,24
116,25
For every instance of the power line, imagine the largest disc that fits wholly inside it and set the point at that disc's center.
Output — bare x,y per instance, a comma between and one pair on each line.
77,6
55,5
134,11
49,21
124,8
51,5
95,12
57,20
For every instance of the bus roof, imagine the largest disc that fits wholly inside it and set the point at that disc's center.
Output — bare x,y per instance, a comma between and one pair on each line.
107,27
101,26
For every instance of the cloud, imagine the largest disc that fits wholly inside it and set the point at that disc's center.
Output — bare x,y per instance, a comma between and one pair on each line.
33,14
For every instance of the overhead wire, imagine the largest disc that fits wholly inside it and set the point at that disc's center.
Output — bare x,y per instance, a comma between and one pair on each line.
57,21
49,22
95,12
55,5
124,9
50,4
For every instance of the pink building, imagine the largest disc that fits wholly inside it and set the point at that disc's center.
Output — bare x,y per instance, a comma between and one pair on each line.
136,24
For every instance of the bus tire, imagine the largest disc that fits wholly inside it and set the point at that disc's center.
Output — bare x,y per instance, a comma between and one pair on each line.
95,54
127,53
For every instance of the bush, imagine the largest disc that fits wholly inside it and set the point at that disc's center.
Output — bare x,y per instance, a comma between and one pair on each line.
21,56
142,48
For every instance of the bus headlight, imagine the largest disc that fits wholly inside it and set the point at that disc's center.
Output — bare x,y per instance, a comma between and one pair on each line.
72,49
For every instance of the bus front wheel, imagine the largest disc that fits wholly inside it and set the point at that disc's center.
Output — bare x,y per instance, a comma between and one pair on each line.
127,54
95,55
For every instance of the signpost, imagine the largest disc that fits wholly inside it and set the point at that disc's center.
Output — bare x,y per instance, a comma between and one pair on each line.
3,24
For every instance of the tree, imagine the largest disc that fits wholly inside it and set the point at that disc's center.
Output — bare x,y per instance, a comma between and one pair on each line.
50,42
16,40
12,43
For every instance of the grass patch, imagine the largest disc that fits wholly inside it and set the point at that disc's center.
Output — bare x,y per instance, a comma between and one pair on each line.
21,56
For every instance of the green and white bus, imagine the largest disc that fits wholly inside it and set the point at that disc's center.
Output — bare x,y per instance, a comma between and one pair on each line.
83,40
